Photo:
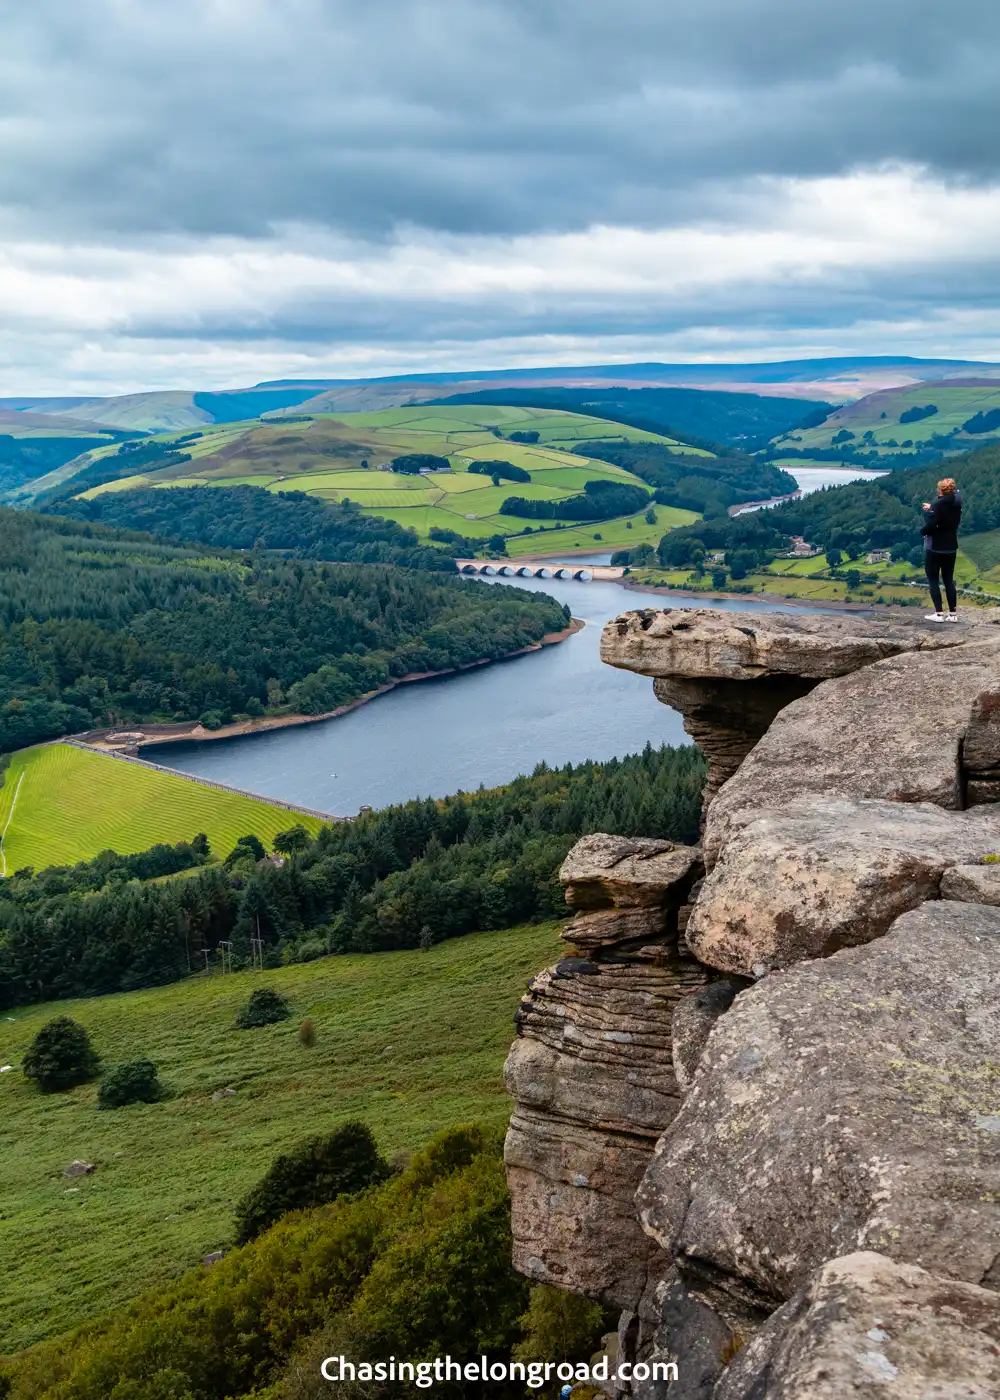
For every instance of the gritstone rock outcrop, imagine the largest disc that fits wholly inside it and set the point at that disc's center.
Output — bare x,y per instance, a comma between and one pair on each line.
867,1327
739,1079
592,1070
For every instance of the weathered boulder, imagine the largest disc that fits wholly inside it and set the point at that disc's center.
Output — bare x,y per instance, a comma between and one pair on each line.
818,874
685,1331
894,730
736,677
78,1168
848,1103
866,1326
972,884
628,890
593,1079
626,872
981,751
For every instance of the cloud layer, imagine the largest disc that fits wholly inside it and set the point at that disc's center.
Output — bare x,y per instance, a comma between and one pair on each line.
217,191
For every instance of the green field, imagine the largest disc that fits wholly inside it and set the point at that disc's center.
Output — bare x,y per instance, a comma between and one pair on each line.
983,549
60,804
808,580
604,535
323,457
879,414
412,1042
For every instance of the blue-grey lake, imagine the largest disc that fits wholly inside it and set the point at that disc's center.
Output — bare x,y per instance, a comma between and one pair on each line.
560,705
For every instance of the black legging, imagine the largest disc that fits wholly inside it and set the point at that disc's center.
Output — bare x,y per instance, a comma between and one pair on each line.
941,565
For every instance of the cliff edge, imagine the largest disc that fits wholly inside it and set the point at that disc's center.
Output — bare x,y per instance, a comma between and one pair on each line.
757,1105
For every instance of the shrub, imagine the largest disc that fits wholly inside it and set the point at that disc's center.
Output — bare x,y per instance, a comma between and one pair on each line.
319,1171
264,1008
60,1056
133,1082
287,843
308,949
561,1324
247,848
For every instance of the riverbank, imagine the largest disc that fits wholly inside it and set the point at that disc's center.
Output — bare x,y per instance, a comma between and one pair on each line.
134,741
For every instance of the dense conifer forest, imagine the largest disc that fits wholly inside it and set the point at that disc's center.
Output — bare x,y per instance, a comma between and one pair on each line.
101,627
404,877
248,517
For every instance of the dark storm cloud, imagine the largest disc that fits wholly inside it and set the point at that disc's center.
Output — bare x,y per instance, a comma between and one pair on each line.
121,118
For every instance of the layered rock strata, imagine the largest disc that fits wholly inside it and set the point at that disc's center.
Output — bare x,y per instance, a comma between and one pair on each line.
592,1070
845,1099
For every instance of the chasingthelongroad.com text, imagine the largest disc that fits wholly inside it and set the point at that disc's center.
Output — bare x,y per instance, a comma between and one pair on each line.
534,1374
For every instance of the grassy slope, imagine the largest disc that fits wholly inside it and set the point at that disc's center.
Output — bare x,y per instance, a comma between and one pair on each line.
411,1042
955,403
323,457
58,818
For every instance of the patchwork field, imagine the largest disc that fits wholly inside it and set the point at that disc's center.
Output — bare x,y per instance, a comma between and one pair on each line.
60,804
324,456
411,1042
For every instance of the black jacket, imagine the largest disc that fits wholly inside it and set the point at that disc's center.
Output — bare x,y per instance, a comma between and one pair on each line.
941,523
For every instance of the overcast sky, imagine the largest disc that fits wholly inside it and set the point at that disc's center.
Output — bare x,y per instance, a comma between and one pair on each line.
205,193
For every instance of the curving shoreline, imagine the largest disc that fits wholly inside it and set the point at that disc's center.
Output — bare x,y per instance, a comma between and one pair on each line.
135,741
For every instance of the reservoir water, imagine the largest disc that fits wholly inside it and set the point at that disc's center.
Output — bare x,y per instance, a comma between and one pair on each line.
560,704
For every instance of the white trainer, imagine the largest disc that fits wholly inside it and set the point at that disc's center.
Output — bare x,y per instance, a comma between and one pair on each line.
935,617
951,617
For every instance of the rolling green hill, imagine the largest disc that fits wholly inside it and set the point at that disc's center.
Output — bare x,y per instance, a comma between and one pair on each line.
412,1042
50,813
896,422
338,459
745,421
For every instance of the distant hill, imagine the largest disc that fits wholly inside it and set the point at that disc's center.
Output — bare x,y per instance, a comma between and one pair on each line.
836,378
698,416
34,444
907,423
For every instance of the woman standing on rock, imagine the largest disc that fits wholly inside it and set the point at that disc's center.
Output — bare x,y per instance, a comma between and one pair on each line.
940,534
